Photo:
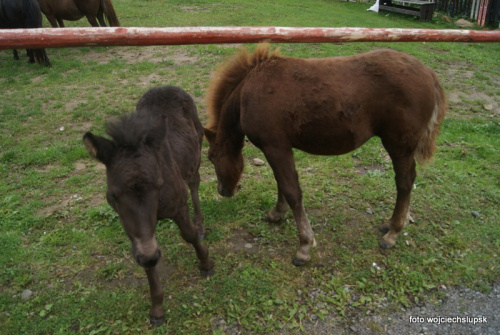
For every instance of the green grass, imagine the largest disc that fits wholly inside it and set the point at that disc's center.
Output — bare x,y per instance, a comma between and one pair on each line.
63,242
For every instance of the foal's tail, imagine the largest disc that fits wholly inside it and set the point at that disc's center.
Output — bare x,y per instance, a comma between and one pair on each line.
426,147
227,78
110,13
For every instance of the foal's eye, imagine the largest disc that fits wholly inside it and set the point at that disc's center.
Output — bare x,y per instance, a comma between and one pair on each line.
113,196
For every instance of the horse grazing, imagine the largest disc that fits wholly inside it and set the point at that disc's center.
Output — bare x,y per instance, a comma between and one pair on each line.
323,106
23,14
152,155
73,10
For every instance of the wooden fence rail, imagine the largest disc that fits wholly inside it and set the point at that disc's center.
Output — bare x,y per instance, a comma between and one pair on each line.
130,36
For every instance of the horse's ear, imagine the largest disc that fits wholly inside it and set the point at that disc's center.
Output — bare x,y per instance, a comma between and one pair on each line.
209,134
98,147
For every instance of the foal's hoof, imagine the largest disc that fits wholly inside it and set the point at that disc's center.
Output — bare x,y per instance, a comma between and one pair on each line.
155,322
298,262
207,273
384,245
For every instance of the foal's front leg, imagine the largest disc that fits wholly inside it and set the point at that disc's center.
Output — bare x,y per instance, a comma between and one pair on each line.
283,165
156,314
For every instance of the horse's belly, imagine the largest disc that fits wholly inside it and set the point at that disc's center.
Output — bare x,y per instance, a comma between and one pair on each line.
325,140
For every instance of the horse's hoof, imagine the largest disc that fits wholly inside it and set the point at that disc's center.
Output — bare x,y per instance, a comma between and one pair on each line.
384,229
298,262
268,219
155,322
383,245
207,273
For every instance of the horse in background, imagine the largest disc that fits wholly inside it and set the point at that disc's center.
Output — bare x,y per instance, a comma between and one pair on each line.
73,10
323,106
23,14
151,157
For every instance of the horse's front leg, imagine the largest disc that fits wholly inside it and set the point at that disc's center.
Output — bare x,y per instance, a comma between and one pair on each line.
156,314
283,165
404,169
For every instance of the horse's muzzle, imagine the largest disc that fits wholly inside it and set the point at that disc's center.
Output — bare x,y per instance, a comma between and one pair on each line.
225,192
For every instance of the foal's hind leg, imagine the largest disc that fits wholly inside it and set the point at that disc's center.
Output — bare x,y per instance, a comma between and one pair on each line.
404,167
283,165
194,184
190,234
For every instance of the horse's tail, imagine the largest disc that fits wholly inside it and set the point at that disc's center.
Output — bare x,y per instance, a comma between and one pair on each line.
34,20
41,57
110,13
426,147
227,78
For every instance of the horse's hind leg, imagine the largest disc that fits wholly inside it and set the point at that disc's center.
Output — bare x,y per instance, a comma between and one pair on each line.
283,165
16,55
100,17
189,233
404,168
194,184
93,22
31,56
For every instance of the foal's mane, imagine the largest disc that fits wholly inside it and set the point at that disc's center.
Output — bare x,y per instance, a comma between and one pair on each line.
229,75
133,130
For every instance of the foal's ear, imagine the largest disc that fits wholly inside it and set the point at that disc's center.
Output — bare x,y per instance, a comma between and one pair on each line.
209,134
98,147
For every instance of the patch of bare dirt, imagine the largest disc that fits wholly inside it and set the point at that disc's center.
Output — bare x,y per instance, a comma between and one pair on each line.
153,54
55,205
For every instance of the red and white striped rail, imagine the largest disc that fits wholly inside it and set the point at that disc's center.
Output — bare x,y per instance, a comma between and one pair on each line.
134,36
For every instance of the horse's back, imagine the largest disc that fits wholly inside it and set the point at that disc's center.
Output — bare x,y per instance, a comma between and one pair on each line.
184,131
20,14
334,105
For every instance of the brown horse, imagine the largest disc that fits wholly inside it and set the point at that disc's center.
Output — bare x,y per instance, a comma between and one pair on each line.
73,10
153,154
327,106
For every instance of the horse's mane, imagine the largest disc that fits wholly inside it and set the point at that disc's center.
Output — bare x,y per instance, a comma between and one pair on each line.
133,130
228,76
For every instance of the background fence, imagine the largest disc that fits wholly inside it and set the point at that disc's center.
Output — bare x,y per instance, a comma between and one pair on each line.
484,12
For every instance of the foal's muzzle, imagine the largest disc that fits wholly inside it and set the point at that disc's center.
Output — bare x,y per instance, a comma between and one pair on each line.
148,261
